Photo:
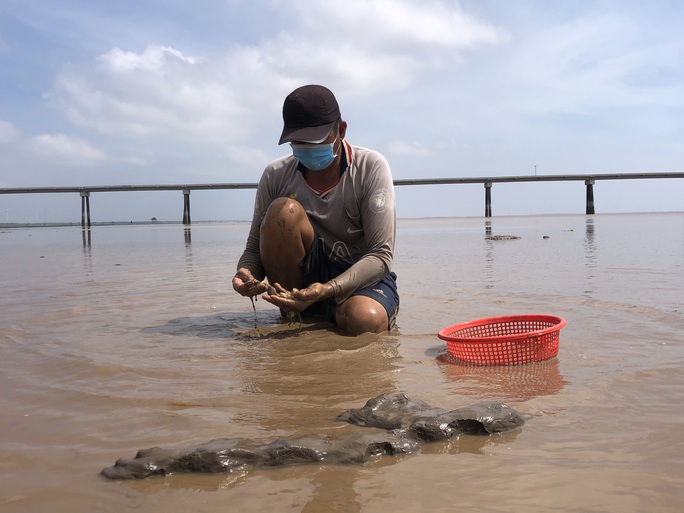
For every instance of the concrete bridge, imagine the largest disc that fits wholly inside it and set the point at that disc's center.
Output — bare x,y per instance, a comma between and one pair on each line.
488,182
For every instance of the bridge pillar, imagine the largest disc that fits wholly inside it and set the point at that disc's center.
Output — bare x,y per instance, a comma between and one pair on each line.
186,206
590,196
85,209
488,199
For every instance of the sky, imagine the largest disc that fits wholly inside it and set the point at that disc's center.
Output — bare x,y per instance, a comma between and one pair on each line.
132,92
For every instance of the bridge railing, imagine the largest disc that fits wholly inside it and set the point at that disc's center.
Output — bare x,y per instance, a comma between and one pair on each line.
488,182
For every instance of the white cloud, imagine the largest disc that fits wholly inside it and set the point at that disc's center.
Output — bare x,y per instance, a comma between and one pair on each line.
436,86
352,67
64,148
163,93
590,63
246,156
409,149
158,93
154,57
397,24
8,132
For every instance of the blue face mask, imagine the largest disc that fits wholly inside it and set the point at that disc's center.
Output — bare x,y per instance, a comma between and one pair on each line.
314,156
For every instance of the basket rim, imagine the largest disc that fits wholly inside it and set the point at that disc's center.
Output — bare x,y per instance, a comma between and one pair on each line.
444,333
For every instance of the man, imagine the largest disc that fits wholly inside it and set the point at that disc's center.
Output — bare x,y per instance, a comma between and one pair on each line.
324,223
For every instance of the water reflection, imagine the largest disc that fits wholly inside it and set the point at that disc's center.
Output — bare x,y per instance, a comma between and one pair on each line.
85,236
87,252
509,382
320,488
466,444
187,233
489,257
334,491
291,380
306,380
284,386
590,263
293,386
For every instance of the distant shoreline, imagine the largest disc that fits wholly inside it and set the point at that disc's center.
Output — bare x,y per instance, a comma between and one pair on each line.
107,223
148,223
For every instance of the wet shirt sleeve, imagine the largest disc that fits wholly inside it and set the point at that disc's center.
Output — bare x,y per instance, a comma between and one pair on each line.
377,208
251,257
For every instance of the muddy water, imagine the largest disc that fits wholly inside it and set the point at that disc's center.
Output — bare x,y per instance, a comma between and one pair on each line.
132,338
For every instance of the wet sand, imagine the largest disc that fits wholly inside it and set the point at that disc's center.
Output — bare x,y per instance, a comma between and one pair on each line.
133,338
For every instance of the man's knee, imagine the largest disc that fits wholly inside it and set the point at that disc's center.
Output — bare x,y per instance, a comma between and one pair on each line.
284,211
286,219
361,314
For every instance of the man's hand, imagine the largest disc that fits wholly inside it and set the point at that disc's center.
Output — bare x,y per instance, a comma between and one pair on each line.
247,285
315,292
298,300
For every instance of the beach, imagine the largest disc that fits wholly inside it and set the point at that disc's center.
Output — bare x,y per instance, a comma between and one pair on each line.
120,338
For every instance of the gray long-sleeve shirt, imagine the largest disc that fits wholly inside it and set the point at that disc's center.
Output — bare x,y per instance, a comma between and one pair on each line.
356,220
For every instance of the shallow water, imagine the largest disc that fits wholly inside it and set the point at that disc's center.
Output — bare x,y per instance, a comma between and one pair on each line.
127,337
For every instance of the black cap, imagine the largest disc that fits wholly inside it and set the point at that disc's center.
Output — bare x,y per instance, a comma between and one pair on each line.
309,113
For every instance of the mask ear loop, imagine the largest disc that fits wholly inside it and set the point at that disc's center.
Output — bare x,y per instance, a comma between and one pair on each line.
333,145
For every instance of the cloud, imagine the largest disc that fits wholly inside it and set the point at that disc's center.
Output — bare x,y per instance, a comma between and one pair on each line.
406,149
157,93
162,92
47,159
8,132
153,58
397,25
593,62
65,148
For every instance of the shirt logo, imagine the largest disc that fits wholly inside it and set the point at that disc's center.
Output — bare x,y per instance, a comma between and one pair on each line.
379,201
340,253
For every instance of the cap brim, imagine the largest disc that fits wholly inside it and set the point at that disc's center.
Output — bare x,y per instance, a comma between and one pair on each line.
309,134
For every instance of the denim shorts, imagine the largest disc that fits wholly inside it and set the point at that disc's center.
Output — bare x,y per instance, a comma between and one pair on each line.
318,268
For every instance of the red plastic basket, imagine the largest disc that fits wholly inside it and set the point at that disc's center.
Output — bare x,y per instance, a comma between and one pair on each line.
506,340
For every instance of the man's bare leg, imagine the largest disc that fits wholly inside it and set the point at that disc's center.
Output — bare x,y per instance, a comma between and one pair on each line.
361,314
286,237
